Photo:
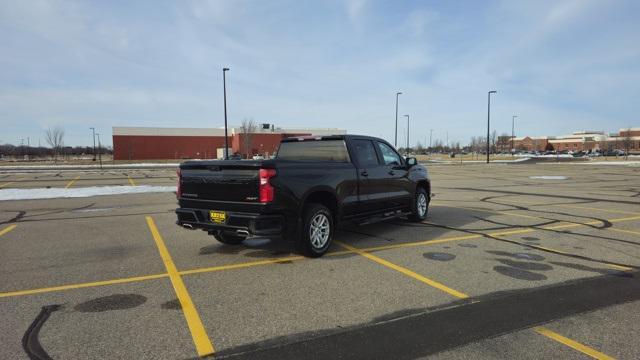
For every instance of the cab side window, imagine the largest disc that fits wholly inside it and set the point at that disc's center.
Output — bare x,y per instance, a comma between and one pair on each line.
365,153
389,155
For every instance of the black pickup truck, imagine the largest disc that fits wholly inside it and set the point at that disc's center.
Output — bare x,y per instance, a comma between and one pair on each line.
312,185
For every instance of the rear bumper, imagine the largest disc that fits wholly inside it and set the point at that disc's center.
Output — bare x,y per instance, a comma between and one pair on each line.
252,223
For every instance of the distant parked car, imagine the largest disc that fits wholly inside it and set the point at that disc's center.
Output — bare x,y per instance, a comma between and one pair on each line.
258,157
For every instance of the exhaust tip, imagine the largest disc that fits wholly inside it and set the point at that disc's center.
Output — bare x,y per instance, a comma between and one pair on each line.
244,233
188,226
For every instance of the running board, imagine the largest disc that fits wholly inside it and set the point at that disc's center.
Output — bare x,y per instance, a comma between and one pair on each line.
386,216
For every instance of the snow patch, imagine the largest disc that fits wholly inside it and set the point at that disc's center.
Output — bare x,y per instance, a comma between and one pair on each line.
93,166
52,193
548,156
623,163
549,177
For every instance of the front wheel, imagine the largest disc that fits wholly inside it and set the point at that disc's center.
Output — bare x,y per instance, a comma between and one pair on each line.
420,206
317,230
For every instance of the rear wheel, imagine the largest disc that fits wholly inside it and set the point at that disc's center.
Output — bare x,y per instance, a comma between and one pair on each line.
420,206
317,230
228,238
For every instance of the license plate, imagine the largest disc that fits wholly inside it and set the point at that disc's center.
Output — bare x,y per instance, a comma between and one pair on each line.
217,216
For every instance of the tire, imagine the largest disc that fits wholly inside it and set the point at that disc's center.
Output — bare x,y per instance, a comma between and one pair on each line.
315,243
420,206
228,238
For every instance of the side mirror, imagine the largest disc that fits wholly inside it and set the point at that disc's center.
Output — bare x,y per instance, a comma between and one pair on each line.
411,161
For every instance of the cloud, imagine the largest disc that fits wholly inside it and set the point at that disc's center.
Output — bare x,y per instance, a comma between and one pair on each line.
558,64
356,10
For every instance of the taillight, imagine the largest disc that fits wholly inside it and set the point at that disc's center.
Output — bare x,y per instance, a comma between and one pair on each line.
266,190
179,189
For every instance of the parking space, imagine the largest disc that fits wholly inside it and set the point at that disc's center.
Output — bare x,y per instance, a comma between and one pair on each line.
84,178
117,278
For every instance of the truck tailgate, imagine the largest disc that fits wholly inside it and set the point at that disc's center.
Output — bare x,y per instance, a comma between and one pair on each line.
236,181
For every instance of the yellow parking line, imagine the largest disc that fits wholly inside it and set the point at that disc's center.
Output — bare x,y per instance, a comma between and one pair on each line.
243,265
420,243
624,219
6,184
576,207
489,211
83,285
7,229
406,271
296,258
596,209
133,183
72,181
625,231
618,267
198,333
572,344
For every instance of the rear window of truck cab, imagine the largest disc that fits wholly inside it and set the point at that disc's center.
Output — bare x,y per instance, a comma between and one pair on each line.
314,150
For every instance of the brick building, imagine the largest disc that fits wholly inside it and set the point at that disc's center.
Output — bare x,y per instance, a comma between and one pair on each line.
145,143
583,141
529,143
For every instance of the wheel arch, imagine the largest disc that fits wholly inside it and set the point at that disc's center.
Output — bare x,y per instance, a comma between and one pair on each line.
426,185
323,196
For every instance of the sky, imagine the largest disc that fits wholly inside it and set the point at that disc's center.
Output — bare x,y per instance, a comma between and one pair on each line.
560,66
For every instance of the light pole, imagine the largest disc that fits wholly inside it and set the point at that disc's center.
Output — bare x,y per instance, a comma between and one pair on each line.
407,147
395,142
226,139
99,150
93,130
513,121
489,119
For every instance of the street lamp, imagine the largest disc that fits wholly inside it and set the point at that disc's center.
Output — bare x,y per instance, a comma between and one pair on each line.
513,120
407,147
93,130
489,119
226,139
395,142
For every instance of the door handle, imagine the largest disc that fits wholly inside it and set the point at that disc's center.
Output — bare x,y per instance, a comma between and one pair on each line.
391,172
364,173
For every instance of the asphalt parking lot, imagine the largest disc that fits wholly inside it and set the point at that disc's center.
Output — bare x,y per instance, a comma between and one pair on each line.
505,266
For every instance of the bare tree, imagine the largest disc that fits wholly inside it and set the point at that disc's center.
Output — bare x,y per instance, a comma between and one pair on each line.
626,142
248,128
493,139
604,146
55,138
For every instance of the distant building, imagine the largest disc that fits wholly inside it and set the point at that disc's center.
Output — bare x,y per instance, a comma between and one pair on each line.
147,143
583,141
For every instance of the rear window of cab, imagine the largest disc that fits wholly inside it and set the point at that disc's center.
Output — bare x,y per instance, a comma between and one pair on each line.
314,150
